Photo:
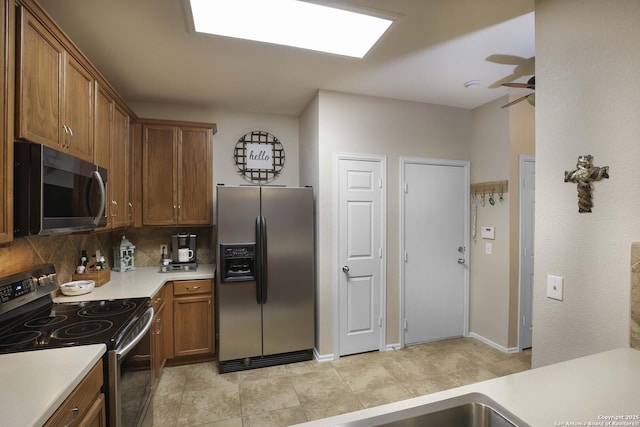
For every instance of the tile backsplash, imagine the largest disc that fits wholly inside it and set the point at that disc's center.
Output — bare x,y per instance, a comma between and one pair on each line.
64,251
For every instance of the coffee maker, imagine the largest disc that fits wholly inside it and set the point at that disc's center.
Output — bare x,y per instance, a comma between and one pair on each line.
183,252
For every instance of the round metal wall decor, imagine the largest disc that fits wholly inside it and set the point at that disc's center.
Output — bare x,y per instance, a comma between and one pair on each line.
259,156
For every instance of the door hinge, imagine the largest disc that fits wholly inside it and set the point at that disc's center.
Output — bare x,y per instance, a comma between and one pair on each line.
523,321
406,187
380,322
380,183
406,256
406,325
380,253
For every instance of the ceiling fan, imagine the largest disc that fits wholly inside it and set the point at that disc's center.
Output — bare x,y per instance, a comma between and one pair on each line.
523,67
531,98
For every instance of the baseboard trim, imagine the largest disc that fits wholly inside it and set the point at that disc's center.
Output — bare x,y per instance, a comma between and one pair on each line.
508,350
323,357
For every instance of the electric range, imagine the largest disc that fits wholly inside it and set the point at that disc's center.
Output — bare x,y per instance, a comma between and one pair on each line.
30,320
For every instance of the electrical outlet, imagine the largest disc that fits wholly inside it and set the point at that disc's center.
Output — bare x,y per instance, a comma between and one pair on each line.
555,285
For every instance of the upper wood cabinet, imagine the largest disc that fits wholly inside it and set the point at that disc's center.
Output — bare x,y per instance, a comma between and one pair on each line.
119,181
113,151
55,92
6,120
177,173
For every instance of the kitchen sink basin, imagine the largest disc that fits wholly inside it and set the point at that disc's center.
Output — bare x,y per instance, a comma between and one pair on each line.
469,410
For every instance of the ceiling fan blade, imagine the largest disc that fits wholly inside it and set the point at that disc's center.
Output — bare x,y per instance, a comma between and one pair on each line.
506,79
506,59
524,67
522,98
519,85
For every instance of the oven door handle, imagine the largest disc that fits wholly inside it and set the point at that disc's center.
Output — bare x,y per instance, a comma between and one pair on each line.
120,353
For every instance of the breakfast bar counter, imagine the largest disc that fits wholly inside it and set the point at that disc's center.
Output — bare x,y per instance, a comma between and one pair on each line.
598,390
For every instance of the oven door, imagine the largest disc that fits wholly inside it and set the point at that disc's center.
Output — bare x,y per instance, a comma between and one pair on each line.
130,377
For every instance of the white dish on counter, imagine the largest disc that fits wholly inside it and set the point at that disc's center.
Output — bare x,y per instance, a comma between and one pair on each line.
77,287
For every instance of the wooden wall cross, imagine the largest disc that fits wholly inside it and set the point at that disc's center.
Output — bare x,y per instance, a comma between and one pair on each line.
584,175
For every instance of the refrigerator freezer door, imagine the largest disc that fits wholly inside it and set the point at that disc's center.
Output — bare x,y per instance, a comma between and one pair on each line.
238,312
288,311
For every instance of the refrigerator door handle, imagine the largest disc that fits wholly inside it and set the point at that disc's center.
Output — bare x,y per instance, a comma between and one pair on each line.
263,259
258,260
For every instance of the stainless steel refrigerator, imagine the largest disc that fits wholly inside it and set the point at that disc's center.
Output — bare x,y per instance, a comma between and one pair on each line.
265,276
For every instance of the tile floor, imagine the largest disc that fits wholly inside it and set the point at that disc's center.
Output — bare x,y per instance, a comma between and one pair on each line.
196,395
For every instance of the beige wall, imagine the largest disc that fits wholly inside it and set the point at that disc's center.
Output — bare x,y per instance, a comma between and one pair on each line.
500,136
369,125
586,103
489,273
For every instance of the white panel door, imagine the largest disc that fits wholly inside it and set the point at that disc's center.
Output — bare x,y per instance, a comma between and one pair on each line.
360,257
527,227
435,224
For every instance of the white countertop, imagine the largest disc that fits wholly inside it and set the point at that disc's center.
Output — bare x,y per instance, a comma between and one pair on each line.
574,392
35,383
142,282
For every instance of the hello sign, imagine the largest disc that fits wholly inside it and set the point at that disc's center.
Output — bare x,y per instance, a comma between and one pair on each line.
259,156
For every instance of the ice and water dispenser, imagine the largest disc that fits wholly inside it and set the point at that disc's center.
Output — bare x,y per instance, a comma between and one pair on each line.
238,262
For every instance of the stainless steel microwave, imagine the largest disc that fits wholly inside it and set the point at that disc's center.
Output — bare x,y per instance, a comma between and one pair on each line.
56,193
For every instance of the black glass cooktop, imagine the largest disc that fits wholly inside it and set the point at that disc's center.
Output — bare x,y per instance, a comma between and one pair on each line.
67,324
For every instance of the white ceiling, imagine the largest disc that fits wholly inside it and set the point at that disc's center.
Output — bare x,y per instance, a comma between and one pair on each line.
149,53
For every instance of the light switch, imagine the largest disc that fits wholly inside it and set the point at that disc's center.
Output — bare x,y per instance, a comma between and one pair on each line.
554,287
488,248
488,233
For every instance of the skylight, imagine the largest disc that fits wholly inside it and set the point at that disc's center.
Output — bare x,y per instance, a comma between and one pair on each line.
291,23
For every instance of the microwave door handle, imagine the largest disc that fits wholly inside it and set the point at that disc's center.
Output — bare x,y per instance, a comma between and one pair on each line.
103,196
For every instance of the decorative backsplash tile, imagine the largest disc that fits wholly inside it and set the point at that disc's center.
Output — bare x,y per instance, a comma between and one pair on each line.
635,295
64,251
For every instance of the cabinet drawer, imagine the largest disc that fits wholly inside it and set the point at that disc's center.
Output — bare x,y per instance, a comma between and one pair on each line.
190,287
74,408
158,300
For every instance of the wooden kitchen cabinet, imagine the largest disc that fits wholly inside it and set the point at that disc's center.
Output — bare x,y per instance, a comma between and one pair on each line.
7,39
159,330
54,91
85,406
177,168
112,142
193,317
119,181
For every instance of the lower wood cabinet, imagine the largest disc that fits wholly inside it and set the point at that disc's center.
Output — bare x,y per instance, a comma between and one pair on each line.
192,317
182,331
85,406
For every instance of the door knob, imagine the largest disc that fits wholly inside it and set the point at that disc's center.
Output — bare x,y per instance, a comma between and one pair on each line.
460,260
345,269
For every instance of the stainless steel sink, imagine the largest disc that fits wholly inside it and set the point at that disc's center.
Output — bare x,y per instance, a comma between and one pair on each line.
468,410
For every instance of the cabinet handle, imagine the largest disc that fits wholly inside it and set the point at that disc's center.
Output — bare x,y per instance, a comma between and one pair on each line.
158,326
75,412
130,210
193,288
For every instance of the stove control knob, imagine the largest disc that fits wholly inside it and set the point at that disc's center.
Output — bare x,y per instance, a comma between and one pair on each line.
43,280
53,278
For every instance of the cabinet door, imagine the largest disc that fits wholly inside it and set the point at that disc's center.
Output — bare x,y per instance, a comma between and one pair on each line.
158,183
40,74
158,341
195,177
97,414
6,123
78,110
193,325
118,176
